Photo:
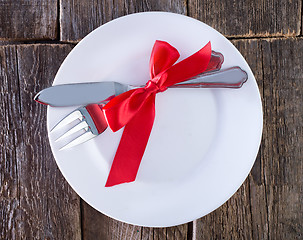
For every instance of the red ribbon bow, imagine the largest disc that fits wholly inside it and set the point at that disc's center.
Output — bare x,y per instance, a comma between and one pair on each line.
135,109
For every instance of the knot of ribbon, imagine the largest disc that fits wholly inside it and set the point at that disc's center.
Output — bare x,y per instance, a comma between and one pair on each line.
152,86
135,109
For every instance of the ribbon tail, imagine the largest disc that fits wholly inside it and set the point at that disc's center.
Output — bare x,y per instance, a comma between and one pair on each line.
132,145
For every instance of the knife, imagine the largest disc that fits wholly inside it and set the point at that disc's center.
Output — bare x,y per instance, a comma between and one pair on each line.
46,97
96,92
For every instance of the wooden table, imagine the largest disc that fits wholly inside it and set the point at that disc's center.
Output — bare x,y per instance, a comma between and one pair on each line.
35,200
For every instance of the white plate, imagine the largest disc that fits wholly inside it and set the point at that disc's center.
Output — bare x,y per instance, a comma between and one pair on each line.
203,143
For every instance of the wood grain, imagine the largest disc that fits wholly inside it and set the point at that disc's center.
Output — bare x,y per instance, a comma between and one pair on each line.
78,18
97,224
269,203
180,232
11,140
231,221
36,201
283,136
24,20
249,18
50,208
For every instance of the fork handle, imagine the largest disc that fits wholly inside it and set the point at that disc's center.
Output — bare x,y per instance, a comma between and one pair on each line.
97,115
215,62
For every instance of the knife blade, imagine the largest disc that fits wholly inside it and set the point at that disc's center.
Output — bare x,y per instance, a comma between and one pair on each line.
96,92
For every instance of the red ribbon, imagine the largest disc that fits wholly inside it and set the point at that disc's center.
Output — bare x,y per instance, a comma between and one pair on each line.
135,109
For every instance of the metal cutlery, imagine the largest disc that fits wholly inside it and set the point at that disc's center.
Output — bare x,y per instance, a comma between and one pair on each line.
97,92
68,94
91,118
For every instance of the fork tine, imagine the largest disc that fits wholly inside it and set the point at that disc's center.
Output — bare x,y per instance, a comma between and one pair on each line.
68,119
79,126
81,139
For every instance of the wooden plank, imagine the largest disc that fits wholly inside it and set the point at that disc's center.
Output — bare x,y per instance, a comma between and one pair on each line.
231,221
36,202
11,141
252,52
50,208
270,200
78,18
249,18
172,233
99,226
283,136
23,20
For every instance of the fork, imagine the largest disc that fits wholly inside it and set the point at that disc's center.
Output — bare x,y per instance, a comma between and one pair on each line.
90,118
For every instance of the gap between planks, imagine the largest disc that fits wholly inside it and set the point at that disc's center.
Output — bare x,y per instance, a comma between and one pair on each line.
41,41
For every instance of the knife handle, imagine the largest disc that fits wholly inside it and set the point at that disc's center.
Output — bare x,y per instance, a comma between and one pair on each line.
229,78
